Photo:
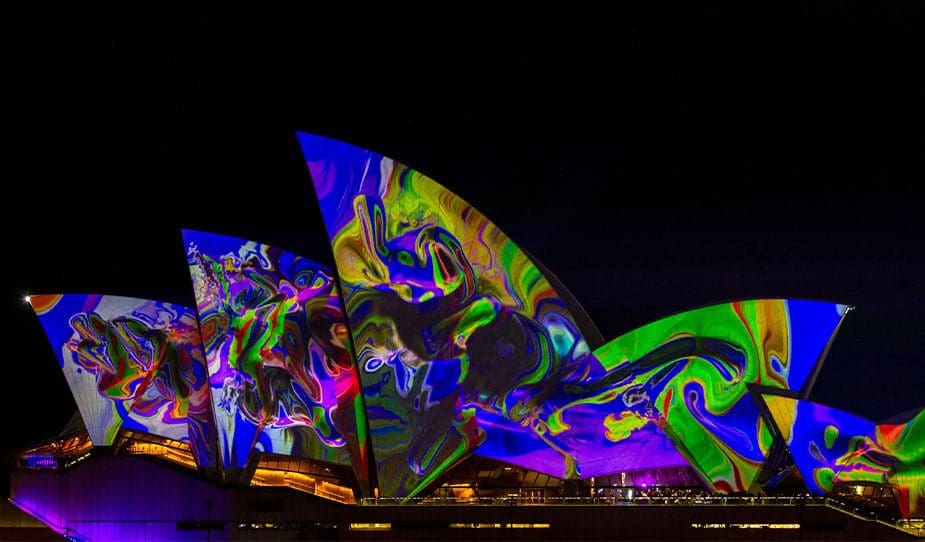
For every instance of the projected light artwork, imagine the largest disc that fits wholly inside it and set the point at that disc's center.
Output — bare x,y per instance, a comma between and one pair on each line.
672,392
437,362
438,359
278,353
687,375
132,363
448,315
464,347
829,445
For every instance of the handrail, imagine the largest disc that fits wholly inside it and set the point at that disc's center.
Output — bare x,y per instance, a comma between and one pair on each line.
915,529
645,500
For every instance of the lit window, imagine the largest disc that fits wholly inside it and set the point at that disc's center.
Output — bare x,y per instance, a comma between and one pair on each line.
370,526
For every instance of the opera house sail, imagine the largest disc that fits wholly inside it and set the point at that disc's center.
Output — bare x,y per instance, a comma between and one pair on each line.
281,373
132,364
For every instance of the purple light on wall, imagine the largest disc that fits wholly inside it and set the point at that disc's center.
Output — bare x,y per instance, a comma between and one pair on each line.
49,518
121,498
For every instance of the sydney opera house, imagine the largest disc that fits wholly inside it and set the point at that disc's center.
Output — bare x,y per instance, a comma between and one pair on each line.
440,383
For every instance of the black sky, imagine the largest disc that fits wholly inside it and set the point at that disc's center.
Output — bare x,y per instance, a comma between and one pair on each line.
655,158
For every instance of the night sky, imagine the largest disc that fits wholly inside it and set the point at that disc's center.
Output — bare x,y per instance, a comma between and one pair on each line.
655,159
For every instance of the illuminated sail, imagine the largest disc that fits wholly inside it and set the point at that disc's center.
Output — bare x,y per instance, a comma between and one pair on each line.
280,367
132,363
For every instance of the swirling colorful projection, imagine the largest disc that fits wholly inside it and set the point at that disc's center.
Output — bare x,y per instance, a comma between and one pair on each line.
829,445
132,363
463,346
277,346
688,375
672,392
449,317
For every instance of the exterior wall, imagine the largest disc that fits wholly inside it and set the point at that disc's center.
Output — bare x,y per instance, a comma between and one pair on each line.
120,498
129,498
